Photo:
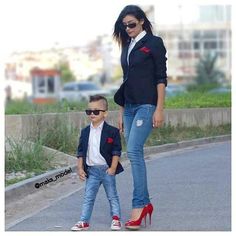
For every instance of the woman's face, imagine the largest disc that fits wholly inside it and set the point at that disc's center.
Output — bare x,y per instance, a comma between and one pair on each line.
132,25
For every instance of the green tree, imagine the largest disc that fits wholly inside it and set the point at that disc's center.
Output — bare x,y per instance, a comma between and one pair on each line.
207,73
66,73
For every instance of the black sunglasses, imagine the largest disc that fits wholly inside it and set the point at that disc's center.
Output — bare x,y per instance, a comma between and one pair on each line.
95,112
130,25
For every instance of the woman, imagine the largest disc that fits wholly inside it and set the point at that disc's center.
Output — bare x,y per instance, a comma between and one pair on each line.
141,98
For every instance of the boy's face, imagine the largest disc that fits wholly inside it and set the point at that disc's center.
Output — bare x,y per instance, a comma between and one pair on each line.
95,106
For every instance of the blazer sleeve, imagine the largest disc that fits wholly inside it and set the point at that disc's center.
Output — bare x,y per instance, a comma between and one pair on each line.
80,152
159,55
116,150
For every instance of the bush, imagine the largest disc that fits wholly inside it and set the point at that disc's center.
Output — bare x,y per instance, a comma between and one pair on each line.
61,136
27,156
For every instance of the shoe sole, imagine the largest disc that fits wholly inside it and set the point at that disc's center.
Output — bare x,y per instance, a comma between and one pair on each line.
132,227
78,229
115,229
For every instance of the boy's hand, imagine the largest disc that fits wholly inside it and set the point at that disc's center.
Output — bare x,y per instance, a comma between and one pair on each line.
111,171
82,174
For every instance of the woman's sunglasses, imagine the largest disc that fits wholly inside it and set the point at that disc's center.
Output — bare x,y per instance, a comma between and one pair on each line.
95,112
130,26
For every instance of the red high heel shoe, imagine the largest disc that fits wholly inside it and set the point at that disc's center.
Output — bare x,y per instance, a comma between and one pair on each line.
135,224
149,209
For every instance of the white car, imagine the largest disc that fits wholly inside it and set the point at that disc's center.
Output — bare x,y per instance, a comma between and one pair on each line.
80,91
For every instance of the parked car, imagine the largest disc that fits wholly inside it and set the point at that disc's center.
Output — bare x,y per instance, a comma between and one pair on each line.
80,91
175,89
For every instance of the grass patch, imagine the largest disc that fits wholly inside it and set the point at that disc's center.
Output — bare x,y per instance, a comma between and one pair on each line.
25,107
65,138
196,99
27,156
61,136
170,134
16,180
199,100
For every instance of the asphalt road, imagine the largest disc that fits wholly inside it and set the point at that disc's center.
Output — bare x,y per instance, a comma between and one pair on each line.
189,188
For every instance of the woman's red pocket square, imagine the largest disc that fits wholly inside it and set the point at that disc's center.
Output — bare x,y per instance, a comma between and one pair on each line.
144,49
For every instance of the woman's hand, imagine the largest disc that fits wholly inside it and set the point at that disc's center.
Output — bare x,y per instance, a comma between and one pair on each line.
120,120
158,118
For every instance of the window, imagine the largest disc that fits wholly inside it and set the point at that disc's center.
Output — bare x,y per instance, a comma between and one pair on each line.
41,84
84,87
210,45
196,45
222,45
69,87
51,85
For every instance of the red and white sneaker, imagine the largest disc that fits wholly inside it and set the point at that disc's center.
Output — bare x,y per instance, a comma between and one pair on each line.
115,224
80,225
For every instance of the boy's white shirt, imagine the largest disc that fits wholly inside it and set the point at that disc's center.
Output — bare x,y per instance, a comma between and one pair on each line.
94,156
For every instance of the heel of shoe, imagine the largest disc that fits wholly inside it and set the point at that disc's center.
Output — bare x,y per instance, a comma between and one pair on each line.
145,220
150,218
149,211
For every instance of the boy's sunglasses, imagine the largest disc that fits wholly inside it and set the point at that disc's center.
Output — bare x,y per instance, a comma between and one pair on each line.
130,25
95,112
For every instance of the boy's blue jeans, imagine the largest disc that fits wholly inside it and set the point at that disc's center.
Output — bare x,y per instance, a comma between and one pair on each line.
96,176
137,127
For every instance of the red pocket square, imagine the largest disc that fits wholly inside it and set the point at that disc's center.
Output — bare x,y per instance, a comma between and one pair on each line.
110,140
144,49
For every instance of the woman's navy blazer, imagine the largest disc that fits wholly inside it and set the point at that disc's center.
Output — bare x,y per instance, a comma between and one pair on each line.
146,69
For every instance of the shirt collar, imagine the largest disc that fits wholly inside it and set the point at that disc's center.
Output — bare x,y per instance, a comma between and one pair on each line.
139,36
99,127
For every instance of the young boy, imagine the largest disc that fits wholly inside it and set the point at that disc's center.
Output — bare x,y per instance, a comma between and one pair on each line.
98,156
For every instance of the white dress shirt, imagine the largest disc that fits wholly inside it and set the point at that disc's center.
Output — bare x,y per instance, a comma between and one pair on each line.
94,156
134,41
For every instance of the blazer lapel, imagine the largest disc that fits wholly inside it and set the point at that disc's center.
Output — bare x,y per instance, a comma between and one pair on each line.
141,42
103,135
86,138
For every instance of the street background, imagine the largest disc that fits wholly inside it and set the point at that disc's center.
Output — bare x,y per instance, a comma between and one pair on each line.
190,189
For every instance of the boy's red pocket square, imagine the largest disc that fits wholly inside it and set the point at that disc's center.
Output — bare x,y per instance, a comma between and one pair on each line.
110,140
144,49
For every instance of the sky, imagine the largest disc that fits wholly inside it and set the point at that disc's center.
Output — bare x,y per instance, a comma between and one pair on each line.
41,24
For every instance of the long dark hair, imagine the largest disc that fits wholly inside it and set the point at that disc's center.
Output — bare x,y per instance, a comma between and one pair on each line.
120,34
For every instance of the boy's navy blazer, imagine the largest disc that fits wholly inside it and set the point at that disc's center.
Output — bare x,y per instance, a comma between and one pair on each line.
110,145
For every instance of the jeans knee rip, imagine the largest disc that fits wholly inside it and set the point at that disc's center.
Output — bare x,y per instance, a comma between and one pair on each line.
139,123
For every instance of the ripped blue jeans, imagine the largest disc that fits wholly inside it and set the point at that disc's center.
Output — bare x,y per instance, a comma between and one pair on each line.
137,127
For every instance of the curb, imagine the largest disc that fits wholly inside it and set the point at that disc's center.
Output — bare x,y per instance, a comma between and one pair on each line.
36,183
45,180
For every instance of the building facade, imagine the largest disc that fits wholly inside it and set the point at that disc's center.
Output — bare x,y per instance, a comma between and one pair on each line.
187,43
